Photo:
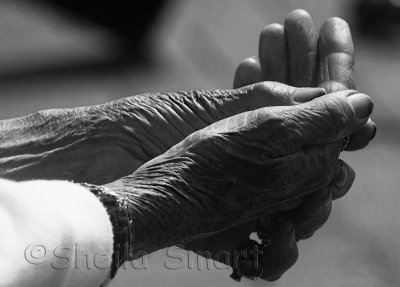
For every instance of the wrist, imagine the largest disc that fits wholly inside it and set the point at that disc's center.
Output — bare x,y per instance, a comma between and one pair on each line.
163,210
135,234
122,224
137,231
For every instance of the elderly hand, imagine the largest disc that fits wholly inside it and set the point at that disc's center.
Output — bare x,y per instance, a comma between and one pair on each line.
66,143
102,143
253,164
289,54
293,54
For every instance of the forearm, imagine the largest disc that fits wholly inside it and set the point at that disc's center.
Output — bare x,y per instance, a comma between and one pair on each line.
102,143
63,144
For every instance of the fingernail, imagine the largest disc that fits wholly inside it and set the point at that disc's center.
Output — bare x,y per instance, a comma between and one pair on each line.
303,95
341,178
373,133
362,105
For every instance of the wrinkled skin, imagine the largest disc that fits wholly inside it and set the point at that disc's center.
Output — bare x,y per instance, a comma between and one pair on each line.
100,144
256,163
66,144
290,54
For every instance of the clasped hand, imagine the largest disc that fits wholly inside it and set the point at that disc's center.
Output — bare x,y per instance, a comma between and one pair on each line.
206,168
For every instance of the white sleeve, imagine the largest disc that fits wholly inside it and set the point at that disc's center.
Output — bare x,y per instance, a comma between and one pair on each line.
53,233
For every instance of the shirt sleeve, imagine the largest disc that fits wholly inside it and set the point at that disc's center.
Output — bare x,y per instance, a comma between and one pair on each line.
53,233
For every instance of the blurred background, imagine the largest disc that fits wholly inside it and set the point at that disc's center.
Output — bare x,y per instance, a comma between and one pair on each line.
67,53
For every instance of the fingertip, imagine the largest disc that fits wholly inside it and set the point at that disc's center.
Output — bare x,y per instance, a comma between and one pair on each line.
361,138
362,105
298,14
248,269
275,276
341,176
282,253
248,72
272,53
302,48
302,95
350,171
271,37
298,18
337,113
273,30
272,40
343,179
335,35
351,108
253,60
334,22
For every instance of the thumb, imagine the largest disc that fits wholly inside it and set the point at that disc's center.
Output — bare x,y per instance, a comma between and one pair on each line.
332,117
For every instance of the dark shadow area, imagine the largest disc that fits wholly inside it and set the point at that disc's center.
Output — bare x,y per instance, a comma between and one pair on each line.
129,21
124,27
379,19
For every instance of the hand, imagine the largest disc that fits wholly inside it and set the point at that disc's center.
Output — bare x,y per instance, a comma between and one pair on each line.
250,165
289,54
66,143
329,65
293,54
103,143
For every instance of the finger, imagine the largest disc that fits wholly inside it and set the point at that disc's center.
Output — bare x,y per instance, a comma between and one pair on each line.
282,253
223,245
268,94
336,56
342,180
336,70
322,121
272,54
362,137
301,48
331,117
313,213
249,266
303,95
316,207
248,72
